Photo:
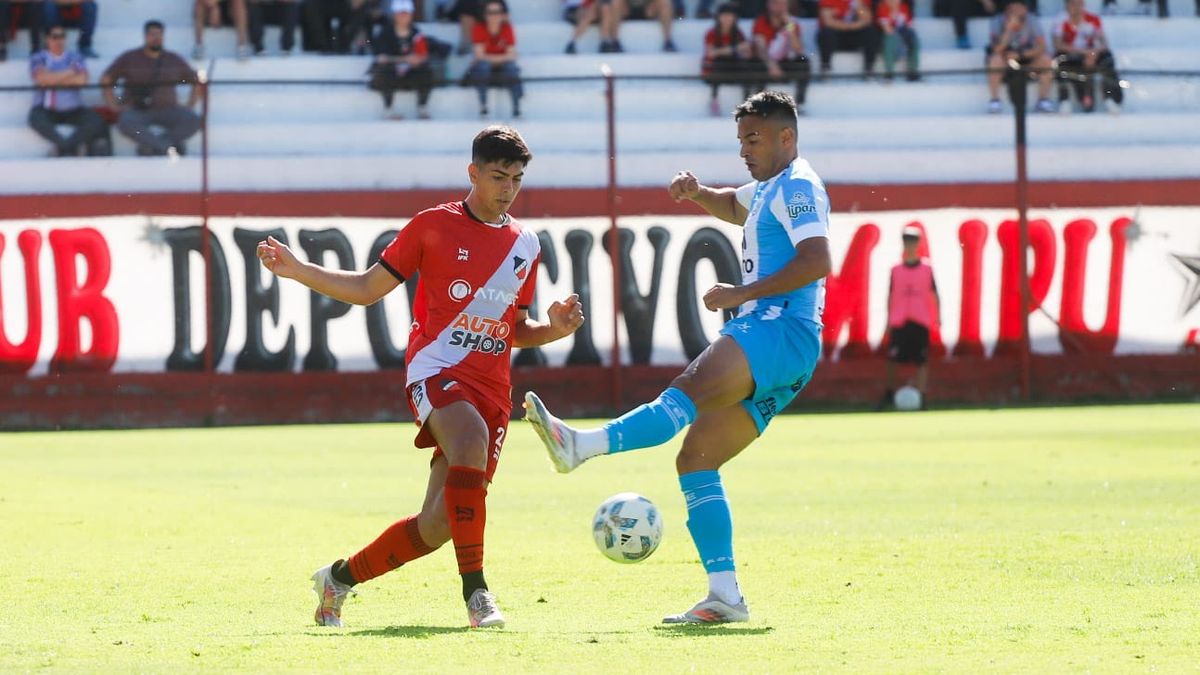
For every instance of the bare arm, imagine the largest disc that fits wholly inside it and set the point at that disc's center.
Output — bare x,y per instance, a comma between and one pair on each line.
357,288
811,262
110,96
719,202
563,318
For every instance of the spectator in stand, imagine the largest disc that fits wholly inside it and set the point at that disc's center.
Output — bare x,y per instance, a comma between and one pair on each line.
53,15
961,10
289,11
401,61
913,311
352,18
148,77
583,13
779,49
58,74
727,55
847,25
495,56
637,10
899,38
1082,51
5,22
1017,37
466,13
218,13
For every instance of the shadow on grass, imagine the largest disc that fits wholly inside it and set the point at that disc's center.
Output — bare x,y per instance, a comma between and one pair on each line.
415,632
725,630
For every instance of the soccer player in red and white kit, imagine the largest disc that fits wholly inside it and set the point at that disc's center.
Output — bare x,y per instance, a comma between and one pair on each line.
477,278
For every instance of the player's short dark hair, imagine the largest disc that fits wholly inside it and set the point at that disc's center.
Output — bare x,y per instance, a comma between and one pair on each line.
771,105
499,143
152,23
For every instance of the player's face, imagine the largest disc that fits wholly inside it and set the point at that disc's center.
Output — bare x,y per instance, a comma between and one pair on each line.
497,183
764,146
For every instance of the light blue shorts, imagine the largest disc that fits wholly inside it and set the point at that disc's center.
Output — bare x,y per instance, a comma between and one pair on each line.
783,353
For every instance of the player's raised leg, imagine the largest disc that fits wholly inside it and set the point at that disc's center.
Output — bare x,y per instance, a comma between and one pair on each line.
405,540
719,377
464,437
715,438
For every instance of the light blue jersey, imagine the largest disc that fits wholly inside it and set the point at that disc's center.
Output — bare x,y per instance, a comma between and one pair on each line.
780,334
783,211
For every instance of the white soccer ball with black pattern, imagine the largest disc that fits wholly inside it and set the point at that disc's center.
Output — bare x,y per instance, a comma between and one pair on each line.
627,527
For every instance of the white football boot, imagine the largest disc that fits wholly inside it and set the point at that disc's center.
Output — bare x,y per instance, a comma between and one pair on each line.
712,610
331,593
482,610
555,434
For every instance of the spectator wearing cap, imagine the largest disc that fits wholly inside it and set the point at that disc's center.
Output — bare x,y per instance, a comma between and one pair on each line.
779,49
53,14
495,63
727,55
847,25
899,38
58,73
1015,36
401,61
148,76
913,311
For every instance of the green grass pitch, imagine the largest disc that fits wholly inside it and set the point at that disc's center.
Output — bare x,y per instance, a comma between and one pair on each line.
1032,540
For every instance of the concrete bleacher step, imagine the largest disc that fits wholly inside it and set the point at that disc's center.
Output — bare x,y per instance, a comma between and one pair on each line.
585,169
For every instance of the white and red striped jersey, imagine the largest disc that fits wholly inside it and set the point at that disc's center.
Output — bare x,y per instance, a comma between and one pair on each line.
1087,34
474,277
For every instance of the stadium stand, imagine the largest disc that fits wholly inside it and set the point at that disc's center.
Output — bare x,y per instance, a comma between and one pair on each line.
280,136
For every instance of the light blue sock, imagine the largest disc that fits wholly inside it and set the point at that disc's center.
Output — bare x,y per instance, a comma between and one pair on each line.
709,519
652,423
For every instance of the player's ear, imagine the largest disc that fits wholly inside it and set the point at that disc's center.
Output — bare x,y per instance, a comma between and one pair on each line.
473,172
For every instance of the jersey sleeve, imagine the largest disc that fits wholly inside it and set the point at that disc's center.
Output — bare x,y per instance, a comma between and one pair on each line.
525,297
745,194
803,208
402,257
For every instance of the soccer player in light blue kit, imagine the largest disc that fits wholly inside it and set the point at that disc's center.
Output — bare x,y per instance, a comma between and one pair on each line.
762,359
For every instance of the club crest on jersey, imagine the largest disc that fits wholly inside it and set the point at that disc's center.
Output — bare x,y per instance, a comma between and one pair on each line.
459,290
800,203
520,267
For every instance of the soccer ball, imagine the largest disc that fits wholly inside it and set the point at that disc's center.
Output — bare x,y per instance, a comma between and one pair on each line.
627,527
907,397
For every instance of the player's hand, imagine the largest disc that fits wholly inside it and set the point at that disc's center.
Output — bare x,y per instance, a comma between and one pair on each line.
684,185
723,296
278,258
567,315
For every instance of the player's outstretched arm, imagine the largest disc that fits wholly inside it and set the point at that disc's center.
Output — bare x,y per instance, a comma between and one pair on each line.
811,262
563,318
719,202
357,288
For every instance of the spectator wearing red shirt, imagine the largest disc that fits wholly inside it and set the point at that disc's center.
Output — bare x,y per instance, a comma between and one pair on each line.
495,56
401,61
899,38
727,55
847,25
779,48
1082,51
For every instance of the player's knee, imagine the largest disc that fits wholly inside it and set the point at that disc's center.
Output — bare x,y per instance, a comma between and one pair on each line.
467,449
695,457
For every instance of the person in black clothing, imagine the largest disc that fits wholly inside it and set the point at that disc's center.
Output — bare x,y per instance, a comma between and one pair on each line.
402,61
727,55
289,18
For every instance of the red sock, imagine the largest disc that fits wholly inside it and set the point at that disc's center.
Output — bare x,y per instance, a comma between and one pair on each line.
464,494
397,545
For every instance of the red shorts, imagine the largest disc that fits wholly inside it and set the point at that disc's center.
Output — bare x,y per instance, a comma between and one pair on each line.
440,391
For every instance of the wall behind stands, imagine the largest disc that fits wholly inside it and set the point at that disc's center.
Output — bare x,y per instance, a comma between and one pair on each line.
103,316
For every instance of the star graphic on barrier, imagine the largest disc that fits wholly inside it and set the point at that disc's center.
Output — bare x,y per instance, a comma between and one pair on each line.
1191,272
